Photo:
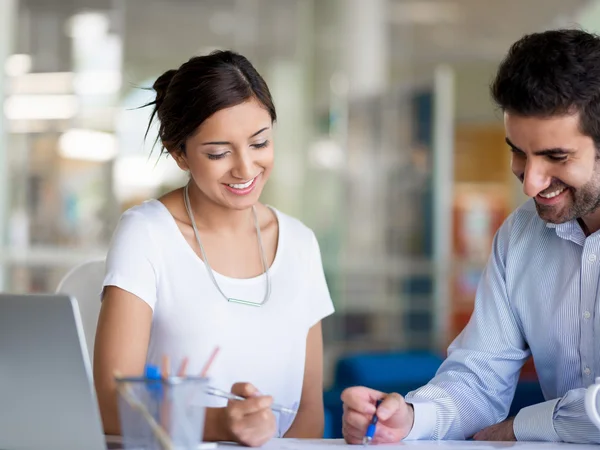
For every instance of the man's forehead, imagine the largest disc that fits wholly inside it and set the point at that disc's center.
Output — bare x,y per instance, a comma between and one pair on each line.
536,133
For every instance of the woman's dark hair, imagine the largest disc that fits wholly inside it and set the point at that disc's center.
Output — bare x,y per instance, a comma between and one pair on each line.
186,97
552,73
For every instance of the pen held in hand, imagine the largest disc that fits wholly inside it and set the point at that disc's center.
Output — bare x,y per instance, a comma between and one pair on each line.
229,396
371,428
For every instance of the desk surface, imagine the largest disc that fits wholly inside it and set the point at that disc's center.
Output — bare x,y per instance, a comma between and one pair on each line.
339,444
331,444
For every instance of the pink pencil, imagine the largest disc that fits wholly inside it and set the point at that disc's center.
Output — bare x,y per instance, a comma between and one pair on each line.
209,362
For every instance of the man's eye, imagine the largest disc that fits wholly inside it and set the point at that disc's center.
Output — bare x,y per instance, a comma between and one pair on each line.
557,158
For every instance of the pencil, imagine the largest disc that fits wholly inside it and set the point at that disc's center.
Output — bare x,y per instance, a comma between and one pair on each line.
159,432
228,395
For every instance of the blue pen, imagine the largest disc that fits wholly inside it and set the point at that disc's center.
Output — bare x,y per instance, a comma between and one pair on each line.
371,429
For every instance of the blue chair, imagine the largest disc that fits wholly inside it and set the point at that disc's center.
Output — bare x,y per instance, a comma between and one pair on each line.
399,372
328,429
527,393
386,369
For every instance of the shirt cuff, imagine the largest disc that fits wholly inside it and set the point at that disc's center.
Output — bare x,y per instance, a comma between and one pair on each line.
425,417
536,423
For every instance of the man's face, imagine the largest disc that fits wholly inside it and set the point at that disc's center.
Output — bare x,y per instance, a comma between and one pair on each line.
556,163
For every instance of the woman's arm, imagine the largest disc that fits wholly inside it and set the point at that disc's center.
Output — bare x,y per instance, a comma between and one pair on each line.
122,339
309,421
121,344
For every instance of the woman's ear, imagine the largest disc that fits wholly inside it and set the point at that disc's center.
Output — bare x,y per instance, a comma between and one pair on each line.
180,158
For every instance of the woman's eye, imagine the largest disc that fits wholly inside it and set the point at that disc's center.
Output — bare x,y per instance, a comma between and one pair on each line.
261,144
219,156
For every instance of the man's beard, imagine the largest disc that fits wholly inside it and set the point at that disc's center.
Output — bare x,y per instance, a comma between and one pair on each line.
583,201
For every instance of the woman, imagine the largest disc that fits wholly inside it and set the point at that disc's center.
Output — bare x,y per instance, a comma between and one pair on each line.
208,265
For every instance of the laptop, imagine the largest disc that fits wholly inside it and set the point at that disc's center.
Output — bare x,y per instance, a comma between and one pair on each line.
47,397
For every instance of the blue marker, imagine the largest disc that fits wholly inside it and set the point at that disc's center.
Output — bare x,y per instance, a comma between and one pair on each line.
371,429
152,374
155,389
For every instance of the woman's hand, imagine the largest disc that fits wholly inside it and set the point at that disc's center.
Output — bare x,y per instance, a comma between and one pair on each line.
250,422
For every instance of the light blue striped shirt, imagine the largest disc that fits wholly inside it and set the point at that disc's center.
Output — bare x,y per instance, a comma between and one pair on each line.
537,296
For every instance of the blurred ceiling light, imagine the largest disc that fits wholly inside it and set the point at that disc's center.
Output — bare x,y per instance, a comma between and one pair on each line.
33,107
87,25
87,145
29,126
42,83
424,12
17,64
326,154
97,83
138,175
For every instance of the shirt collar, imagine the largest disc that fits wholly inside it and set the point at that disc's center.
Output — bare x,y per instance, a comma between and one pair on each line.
570,231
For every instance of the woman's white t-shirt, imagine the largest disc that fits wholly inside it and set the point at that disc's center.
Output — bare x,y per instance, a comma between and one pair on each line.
266,346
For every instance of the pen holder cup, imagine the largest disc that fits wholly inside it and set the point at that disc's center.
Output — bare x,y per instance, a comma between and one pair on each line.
162,414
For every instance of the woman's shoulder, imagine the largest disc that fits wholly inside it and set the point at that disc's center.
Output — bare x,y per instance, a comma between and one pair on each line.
148,209
150,216
142,228
292,228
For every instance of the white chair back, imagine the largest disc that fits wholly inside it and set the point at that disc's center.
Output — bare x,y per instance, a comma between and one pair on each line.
84,282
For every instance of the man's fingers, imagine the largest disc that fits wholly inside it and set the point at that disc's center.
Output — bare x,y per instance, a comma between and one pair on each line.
391,404
359,432
351,434
384,434
357,420
361,399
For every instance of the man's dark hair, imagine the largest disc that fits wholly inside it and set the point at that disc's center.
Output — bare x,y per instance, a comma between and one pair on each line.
552,73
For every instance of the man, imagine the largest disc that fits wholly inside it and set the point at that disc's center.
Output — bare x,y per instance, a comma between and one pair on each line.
537,295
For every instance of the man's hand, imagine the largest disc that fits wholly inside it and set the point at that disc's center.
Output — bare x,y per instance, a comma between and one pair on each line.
395,416
502,431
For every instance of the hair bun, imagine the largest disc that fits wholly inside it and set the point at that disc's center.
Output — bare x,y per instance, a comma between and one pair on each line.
162,84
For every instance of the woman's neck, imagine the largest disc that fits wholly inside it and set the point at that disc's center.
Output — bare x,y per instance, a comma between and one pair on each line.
212,217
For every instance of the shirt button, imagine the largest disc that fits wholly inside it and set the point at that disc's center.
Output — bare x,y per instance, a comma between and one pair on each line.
592,258
587,371
587,315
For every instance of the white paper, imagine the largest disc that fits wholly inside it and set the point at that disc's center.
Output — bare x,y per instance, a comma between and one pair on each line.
331,444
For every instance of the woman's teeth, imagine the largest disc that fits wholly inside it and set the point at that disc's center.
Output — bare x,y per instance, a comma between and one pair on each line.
241,186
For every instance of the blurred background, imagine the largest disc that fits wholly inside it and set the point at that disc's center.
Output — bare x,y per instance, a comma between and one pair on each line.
387,144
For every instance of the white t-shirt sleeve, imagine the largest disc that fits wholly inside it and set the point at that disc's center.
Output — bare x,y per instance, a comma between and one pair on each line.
319,299
131,260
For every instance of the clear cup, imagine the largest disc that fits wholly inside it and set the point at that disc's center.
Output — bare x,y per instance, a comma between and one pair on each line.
162,414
